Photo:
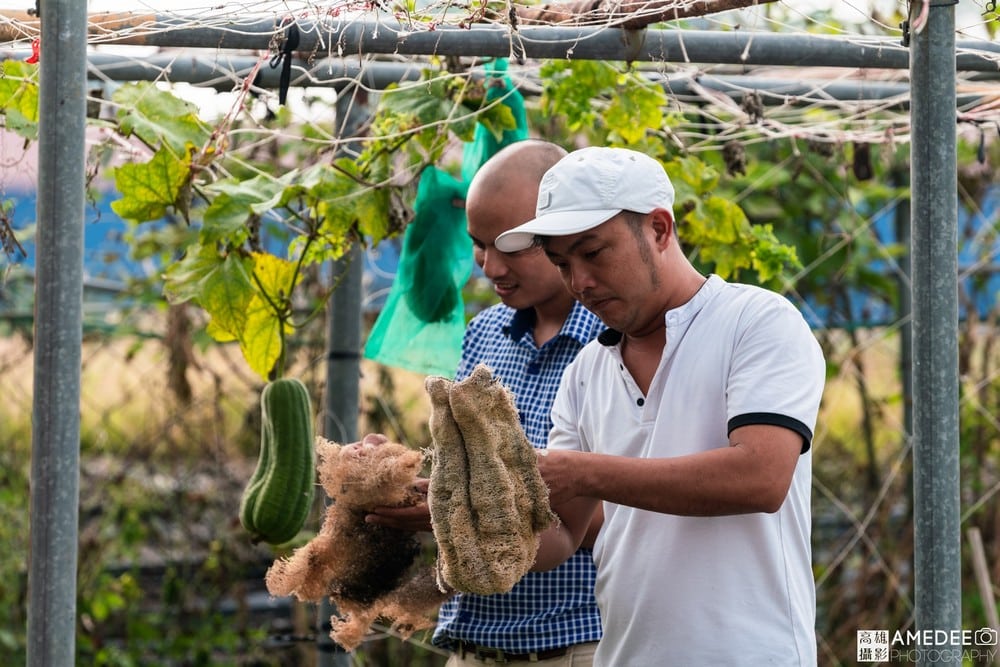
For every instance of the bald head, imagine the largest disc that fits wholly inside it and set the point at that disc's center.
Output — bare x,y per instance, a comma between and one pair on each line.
518,167
501,196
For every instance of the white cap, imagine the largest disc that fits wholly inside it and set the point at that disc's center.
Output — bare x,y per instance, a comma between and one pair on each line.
589,187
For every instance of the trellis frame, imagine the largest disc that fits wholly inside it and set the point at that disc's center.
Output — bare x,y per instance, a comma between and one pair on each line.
931,59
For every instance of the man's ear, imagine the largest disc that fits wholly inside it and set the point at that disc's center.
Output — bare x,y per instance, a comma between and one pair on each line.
662,222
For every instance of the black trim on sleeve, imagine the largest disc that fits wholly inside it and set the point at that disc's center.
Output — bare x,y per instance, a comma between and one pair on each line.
773,419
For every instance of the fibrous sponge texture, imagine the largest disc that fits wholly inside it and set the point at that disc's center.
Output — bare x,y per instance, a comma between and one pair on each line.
368,571
487,504
487,500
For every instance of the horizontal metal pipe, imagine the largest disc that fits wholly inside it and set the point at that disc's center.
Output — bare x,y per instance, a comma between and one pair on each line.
343,36
227,72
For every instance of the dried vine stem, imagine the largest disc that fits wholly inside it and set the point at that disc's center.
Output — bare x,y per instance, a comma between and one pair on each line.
630,14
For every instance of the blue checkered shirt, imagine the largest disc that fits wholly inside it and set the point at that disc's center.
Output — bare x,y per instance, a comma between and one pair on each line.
544,610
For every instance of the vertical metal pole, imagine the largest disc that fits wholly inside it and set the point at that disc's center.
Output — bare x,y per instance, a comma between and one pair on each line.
937,535
55,456
343,365
902,224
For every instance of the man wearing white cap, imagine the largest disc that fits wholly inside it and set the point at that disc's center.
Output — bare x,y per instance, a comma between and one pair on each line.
691,418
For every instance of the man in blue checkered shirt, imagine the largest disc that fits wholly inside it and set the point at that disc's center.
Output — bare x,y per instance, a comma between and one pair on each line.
549,618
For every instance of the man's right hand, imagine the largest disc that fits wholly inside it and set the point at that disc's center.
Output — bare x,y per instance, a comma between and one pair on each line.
412,518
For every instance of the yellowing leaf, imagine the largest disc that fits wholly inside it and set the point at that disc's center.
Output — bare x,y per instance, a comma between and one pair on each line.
218,334
226,294
261,339
636,106
149,188
274,276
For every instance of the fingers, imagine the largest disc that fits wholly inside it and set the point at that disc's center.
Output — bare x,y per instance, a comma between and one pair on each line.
364,446
374,439
414,518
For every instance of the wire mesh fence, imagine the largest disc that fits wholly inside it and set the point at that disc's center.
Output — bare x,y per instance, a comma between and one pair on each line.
170,433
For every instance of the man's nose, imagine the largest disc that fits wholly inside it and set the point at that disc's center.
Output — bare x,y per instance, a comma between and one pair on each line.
494,263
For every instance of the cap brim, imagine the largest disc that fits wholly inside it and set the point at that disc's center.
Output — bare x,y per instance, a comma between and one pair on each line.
562,223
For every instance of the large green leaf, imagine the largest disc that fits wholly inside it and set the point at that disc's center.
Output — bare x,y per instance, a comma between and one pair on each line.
159,118
197,275
497,118
369,206
148,189
237,200
692,177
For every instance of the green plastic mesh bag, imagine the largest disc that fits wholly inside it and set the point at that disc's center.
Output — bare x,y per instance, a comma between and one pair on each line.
423,321
484,145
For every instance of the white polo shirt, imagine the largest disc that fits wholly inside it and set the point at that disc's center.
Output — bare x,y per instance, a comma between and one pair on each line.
729,590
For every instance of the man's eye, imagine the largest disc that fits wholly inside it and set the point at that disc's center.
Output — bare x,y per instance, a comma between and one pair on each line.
591,254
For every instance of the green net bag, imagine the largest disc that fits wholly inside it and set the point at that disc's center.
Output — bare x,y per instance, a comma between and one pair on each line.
485,144
423,321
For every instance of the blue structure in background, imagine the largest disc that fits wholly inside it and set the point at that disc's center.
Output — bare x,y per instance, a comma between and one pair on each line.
978,266
108,266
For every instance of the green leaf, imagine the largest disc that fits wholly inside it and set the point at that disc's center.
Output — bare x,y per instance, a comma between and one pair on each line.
237,200
368,206
691,176
572,89
19,97
218,334
716,227
635,108
344,207
497,118
149,188
197,275
771,258
159,118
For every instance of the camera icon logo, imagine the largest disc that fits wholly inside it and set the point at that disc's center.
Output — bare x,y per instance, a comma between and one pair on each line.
986,637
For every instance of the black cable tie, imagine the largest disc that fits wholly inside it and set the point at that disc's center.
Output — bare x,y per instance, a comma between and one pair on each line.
284,56
343,354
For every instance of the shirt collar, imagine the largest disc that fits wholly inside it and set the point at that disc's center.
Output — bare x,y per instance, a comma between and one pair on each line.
577,325
611,337
521,322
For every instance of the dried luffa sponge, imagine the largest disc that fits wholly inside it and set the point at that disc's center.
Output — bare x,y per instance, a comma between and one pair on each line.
369,571
487,500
